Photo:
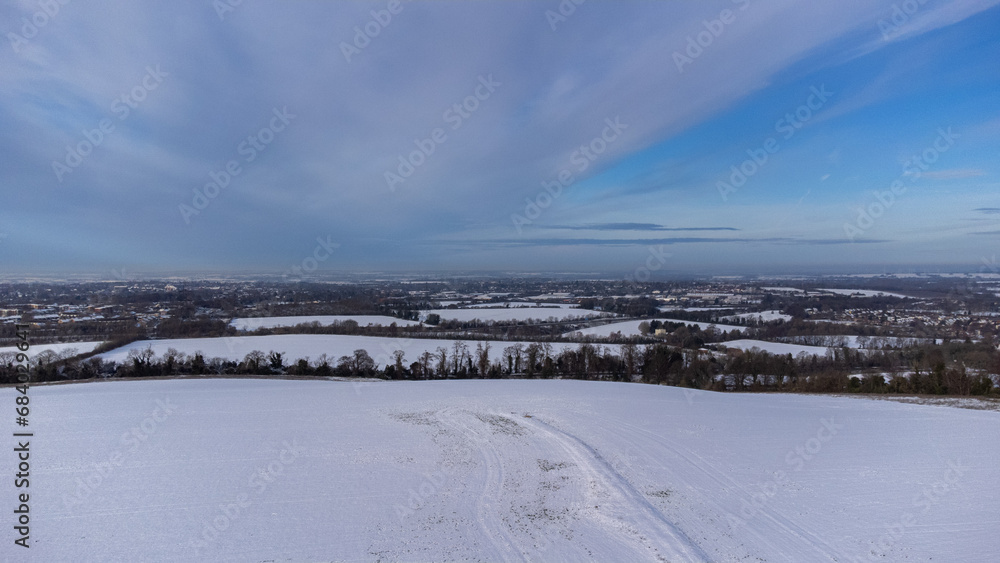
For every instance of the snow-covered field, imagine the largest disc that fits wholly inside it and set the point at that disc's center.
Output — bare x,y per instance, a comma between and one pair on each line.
862,292
63,348
296,346
514,314
253,323
776,347
703,326
763,316
669,308
527,304
860,342
250,470
631,328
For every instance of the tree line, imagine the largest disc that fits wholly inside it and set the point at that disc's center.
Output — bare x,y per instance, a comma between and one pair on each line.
952,369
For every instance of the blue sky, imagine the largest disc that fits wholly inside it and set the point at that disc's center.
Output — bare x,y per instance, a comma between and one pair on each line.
645,125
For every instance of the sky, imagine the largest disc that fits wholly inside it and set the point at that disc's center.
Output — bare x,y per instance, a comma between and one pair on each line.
639,138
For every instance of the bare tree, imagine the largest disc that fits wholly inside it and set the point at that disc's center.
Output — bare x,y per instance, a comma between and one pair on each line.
362,363
630,357
442,359
253,361
425,364
518,351
458,353
483,358
532,354
397,356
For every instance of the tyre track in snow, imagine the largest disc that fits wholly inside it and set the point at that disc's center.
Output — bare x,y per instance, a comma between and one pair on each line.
488,502
813,542
648,525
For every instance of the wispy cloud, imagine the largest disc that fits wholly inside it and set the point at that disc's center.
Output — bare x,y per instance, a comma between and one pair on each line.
953,174
668,241
988,210
381,110
633,227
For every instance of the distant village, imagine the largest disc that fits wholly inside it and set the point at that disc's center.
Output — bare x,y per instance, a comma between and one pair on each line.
818,334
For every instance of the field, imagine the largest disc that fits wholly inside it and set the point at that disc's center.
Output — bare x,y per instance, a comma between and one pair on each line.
253,323
776,347
631,328
762,316
70,348
251,470
507,314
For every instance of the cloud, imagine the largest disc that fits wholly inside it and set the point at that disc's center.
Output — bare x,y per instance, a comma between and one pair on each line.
988,210
954,173
668,241
325,174
632,227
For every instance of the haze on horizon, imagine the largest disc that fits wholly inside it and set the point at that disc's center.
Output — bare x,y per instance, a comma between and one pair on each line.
718,136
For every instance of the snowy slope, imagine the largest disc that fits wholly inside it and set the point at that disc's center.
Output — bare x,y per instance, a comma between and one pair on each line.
238,470
62,348
763,316
253,323
631,328
520,304
862,292
776,347
703,326
514,314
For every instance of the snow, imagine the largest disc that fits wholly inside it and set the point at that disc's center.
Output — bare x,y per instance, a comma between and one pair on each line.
788,289
631,328
251,470
301,346
862,292
671,308
527,304
513,314
253,323
860,342
61,348
776,347
703,326
763,316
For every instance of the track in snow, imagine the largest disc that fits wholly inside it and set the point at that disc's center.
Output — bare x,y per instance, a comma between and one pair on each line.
602,501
